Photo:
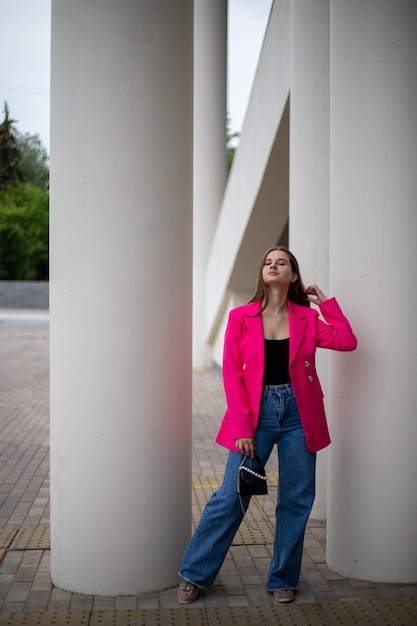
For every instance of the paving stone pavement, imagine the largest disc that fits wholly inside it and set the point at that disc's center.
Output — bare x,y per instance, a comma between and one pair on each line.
26,593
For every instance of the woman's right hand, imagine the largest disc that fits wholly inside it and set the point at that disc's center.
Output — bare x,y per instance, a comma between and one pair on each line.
246,446
315,295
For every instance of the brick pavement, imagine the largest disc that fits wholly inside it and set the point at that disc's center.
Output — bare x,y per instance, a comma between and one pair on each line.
25,585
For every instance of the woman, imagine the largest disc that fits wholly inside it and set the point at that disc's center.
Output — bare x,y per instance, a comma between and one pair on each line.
273,396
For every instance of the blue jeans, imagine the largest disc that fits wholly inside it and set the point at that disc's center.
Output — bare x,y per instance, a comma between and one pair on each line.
279,422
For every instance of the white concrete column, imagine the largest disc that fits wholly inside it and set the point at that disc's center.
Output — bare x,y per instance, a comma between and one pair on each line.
309,167
372,510
210,163
121,258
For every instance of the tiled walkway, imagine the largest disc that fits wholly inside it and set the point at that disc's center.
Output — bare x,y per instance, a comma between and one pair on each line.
26,593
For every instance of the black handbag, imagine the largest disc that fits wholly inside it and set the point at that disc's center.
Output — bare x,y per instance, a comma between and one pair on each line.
251,480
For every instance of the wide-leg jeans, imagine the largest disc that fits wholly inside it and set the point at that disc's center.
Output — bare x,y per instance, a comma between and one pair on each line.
279,422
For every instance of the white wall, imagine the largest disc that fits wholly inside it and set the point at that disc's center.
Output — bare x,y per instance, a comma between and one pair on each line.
210,163
309,169
372,530
120,293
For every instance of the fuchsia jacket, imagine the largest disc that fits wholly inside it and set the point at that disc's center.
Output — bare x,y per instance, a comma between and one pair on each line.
243,368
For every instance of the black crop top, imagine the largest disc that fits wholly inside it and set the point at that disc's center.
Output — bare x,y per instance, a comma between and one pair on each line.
277,357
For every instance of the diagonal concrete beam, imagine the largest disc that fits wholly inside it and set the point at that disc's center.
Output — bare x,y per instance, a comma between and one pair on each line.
255,206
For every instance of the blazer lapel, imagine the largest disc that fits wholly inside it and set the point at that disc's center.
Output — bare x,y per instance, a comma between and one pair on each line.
298,325
255,330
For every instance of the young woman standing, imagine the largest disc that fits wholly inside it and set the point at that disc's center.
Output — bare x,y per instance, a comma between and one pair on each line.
273,396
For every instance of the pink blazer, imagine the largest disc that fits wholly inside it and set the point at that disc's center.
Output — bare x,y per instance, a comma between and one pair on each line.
243,367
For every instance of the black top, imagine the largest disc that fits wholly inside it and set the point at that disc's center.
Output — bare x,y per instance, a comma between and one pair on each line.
277,357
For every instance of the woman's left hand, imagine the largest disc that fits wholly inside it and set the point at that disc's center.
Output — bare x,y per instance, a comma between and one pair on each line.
315,295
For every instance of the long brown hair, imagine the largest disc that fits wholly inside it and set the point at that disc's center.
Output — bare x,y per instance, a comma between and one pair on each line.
296,292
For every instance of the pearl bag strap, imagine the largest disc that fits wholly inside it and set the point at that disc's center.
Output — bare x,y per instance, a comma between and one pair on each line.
251,471
243,467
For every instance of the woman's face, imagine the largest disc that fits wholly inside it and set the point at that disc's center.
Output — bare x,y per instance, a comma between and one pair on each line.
277,269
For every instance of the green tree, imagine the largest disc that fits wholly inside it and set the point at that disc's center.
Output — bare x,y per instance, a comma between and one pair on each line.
34,162
9,151
24,204
24,222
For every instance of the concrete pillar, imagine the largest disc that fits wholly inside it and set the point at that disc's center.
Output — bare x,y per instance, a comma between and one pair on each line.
210,164
121,258
309,167
372,511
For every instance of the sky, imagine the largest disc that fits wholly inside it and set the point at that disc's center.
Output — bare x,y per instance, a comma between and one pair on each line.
25,60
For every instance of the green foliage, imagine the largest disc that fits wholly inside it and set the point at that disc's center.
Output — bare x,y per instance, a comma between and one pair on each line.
24,218
9,152
24,204
34,162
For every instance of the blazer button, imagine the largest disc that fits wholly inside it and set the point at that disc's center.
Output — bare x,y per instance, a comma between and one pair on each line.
244,366
307,363
310,378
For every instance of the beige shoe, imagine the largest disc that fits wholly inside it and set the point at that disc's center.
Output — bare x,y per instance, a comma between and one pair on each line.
187,592
284,595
